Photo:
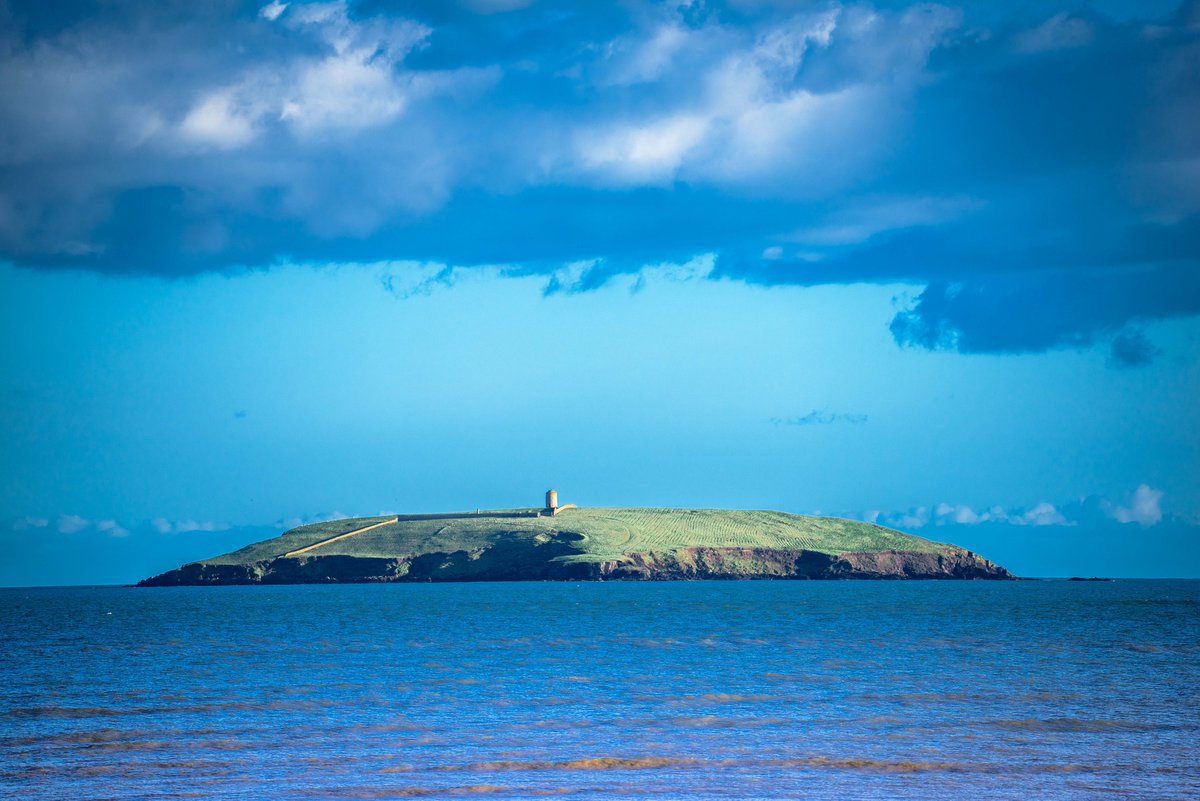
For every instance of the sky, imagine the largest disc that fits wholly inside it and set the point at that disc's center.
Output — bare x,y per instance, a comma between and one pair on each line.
935,266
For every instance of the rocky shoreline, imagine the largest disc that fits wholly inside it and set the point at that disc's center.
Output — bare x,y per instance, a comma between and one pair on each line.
541,564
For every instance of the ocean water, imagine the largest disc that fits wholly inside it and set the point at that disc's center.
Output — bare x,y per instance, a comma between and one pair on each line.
815,690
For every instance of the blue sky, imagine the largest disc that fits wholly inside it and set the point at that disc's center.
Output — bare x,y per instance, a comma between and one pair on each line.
931,265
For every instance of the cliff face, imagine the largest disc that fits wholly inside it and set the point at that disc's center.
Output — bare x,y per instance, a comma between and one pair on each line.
764,563
522,561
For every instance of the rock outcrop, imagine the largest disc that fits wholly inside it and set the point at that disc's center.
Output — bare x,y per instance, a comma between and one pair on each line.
541,562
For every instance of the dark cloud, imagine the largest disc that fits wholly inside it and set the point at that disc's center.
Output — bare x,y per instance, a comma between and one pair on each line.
1035,167
1131,348
819,417
1029,313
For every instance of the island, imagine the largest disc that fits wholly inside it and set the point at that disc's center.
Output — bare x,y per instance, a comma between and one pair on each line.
566,543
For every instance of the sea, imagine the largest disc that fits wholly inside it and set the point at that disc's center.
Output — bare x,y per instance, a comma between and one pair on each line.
675,690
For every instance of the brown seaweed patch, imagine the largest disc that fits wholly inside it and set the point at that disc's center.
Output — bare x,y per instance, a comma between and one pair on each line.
596,763
863,764
715,722
67,712
708,698
872,765
649,763
644,642
193,767
96,771
101,740
76,712
135,739
74,738
224,744
613,763
925,766
387,728
553,725
129,745
425,792
1048,696
1070,725
734,698
1068,768
917,698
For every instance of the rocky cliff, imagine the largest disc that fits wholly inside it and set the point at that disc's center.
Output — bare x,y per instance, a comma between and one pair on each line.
557,560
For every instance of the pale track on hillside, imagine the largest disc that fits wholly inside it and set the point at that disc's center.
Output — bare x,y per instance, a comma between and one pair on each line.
314,546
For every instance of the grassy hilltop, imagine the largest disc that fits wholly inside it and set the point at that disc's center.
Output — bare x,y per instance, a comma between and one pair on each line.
604,534
583,544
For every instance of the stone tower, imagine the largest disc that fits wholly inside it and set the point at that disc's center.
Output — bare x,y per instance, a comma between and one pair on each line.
552,501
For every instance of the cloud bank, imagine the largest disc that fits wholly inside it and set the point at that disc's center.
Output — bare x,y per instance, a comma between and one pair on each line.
1035,169
1143,507
1086,536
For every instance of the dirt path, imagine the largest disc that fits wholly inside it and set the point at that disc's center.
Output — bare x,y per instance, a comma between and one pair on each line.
341,537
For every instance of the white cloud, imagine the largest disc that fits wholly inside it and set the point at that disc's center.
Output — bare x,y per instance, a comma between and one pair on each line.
684,97
695,269
577,276
164,526
112,528
797,135
347,91
184,526
963,515
293,522
1144,507
917,518
785,46
219,119
354,86
495,6
1044,514
871,217
742,114
1041,514
570,277
1060,32
637,58
71,524
644,153
272,10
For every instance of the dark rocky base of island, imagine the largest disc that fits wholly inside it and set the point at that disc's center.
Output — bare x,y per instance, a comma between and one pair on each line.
541,563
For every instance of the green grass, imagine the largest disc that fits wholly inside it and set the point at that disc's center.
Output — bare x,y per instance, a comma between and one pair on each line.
605,533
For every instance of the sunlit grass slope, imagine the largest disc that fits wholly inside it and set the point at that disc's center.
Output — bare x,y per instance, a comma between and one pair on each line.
598,534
